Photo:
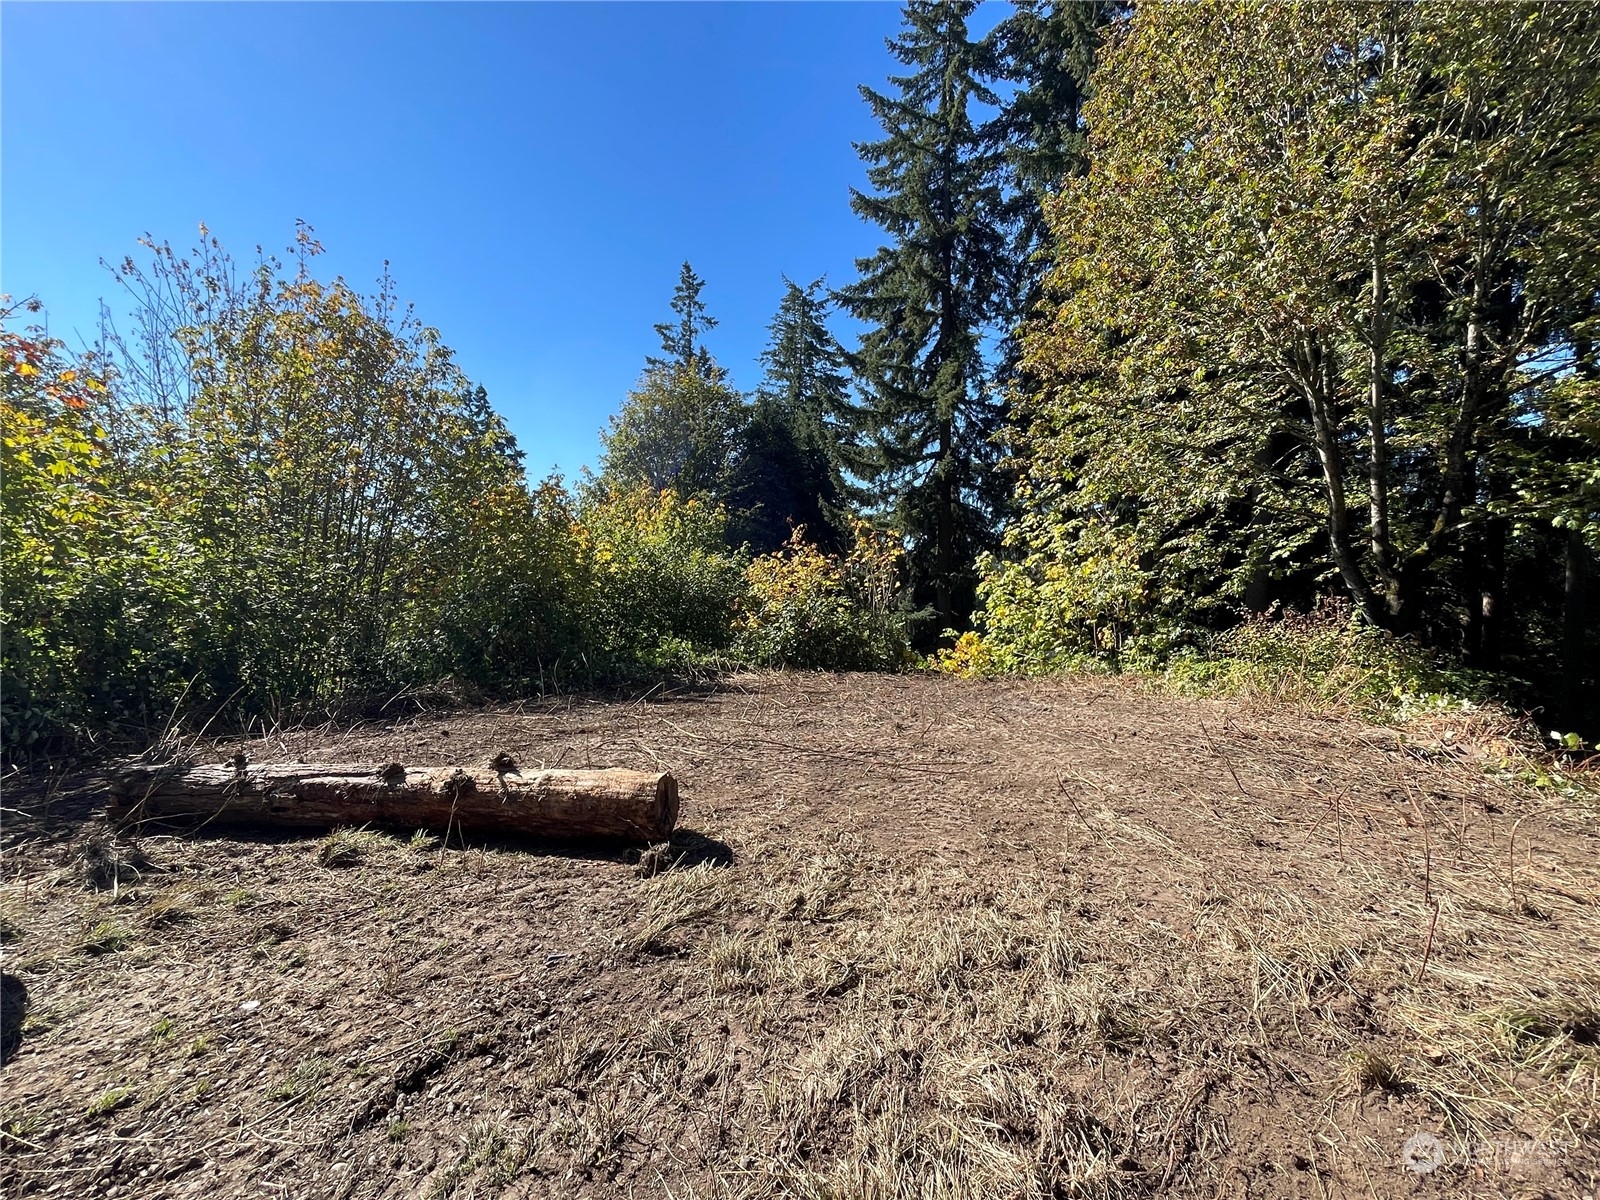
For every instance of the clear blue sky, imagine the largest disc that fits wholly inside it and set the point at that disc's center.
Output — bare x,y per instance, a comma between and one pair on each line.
535,173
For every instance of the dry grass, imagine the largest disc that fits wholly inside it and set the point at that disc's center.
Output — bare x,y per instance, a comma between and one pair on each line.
349,847
973,941
107,863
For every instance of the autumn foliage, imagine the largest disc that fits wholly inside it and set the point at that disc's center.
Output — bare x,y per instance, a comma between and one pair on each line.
277,496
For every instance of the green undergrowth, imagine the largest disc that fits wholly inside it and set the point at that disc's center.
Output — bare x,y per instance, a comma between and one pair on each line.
1326,660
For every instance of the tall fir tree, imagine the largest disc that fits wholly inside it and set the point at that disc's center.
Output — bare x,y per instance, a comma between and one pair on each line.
930,298
796,448
805,365
680,339
1045,51
680,426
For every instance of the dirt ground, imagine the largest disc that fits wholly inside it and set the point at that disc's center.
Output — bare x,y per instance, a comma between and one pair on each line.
918,937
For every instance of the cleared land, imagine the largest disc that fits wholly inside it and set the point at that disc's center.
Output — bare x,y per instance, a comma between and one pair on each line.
917,937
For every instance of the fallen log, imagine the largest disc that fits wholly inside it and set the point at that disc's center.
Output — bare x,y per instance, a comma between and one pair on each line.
639,806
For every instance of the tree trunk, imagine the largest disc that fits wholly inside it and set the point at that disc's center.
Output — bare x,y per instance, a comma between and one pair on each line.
944,543
1491,595
637,806
1316,383
1377,425
1576,633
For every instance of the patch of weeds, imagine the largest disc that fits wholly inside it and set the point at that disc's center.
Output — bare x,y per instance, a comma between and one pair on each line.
274,933
820,892
106,863
19,1129
347,847
656,859
1369,1071
572,1061
732,962
485,1145
675,899
665,1039
422,842
35,1024
398,1128
169,908
107,937
1116,1027
1525,1029
200,1047
109,1101
202,1087
162,1030
304,1081
239,898
10,929
293,959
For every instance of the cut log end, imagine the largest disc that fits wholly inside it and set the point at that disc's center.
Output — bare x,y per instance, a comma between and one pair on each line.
633,806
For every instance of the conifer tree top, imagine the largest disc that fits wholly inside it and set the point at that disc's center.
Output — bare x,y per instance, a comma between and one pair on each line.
681,339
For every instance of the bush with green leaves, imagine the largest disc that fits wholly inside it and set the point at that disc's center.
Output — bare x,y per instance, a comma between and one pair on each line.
663,585
1330,656
499,596
809,609
279,496
92,590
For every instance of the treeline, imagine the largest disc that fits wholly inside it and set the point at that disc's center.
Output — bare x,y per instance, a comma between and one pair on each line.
1187,318
1190,315
277,496
1320,321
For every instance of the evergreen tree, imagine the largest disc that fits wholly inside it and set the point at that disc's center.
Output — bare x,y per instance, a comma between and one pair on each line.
681,339
929,298
805,365
795,449
679,427
1045,49
490,427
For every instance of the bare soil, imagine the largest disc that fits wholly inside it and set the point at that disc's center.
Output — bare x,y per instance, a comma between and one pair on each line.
916,937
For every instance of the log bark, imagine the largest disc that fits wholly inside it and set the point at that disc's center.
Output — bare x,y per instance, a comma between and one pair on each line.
637,806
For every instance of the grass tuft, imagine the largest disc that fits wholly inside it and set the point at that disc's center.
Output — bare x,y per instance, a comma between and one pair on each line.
347,847
675,899
107,863
107,937
109,1101
304,1081
1370,1071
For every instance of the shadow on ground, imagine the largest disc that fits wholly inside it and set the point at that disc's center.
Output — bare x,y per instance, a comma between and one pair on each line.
13,1011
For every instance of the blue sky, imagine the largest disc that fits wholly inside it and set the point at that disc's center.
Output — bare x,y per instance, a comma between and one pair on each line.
534,173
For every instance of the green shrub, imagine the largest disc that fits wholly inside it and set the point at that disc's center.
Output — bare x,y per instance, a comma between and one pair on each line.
89,564
664,587
809,609
1329,657
1071,603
